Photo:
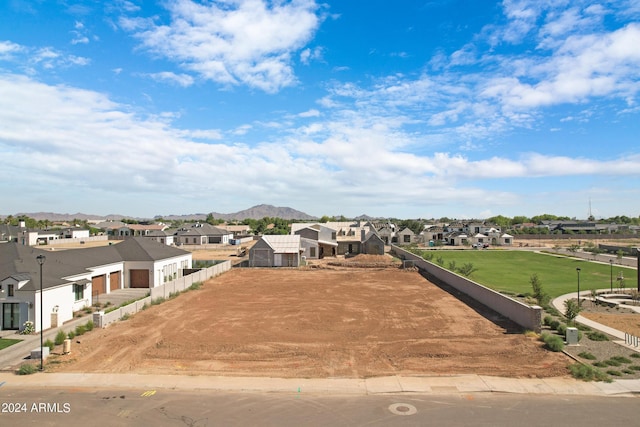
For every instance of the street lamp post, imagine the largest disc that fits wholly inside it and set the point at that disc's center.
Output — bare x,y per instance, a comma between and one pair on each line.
41,259
611,275
578,270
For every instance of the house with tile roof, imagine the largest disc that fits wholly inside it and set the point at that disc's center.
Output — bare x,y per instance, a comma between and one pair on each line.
72,279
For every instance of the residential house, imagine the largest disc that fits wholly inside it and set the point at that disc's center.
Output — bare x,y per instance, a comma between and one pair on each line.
201,234
276,250
324,238
72,279
406,237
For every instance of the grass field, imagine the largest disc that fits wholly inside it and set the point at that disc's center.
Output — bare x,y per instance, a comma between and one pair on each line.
6,342
510,271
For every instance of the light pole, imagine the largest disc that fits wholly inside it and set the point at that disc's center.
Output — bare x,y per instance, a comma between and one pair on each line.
611,275
41,259
578,270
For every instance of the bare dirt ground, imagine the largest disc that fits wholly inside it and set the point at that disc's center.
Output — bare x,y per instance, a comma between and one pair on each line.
320,321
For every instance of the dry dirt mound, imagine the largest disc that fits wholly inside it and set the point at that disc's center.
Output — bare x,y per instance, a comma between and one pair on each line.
314,323
366,261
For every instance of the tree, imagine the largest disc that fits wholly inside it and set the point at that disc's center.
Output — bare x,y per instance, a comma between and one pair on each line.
571,309
467,269
538,292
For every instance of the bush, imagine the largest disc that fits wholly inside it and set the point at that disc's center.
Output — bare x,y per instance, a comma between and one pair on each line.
71,335
553,342
125,316
27,369
195,286
586,355
547,320
80,329
562,329
89,325
60,337
587,373
614,373
554,324
600,364
597,336
50,344
635,355
621,359
635,367
612,362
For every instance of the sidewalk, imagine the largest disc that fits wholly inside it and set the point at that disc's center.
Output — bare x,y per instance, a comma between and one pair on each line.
458,384
455,384
12,356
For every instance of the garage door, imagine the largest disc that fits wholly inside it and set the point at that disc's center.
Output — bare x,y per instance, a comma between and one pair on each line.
114,280
99,285
139,278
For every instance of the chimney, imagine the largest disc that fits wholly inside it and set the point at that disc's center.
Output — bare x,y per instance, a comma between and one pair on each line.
23,224
362,235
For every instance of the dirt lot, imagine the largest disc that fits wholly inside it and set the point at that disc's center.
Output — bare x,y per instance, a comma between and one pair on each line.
313,322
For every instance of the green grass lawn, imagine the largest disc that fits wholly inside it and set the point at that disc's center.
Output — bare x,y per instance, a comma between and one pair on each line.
509,271
6,342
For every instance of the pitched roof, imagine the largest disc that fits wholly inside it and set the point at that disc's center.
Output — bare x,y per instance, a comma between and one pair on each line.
283,243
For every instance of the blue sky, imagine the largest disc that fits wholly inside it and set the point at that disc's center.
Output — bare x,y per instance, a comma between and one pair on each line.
458,108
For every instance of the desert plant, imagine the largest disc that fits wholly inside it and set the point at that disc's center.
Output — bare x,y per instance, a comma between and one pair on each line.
547,320
554,324
614,373
621,359
71,335
50,344
635,355
587,355
467,269
89,325
195,286
597,336
553,342
635,367
125,316
29,328
587,373
27,369
80,329
60,337
600,364
612,362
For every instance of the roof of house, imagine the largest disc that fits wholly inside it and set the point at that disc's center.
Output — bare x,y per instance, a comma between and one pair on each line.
18,260
283,243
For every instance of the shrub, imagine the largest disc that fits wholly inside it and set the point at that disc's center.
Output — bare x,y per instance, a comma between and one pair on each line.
552,310
587,373
600,364
27,369
628,371
635,367
587,355
29,328
612,362
554,324
583,327
195,286
50,344
60,337
597,336
80,329
572,309
635,355
125,316
614,373
553,342
621,359
562,329
71,335
89,325
547,320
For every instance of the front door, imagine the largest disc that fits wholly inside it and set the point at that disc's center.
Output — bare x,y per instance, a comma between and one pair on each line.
11,316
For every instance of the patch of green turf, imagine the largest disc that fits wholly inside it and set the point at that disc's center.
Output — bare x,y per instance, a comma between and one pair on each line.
509,271
6,342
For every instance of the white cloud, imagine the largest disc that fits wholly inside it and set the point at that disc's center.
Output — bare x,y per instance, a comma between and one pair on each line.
310,113
241,42
183,80
308,55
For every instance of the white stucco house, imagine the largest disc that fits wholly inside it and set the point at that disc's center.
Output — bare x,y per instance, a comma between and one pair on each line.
72,279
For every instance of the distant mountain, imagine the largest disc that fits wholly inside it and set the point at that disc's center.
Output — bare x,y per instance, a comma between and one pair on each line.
256,212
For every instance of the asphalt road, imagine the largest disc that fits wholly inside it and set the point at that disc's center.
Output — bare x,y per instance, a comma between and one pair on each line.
84,407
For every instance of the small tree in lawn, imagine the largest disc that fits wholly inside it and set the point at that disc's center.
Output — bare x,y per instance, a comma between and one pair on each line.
538,292
571,310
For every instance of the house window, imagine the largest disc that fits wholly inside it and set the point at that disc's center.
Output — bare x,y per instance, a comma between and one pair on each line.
407,238
313,252
10,290
78,292
333,235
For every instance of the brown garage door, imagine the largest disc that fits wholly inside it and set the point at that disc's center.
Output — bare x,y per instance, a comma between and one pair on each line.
99,285
114,281
139,278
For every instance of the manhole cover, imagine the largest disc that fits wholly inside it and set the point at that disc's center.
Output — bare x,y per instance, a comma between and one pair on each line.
402,409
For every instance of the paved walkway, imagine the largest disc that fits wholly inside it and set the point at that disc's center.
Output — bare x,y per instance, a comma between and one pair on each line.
455,384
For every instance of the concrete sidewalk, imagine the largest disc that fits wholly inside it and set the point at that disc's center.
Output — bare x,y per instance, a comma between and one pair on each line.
458,384
12,356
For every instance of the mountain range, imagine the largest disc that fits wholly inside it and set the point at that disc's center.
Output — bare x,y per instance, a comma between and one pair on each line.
255,212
